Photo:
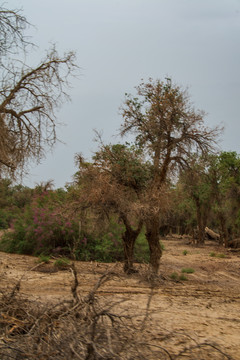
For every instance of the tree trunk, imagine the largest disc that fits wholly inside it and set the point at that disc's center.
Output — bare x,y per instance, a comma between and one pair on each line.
201,227
152,235
129,238
224,229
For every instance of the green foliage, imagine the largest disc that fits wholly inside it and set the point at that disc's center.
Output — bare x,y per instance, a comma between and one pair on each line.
208,194
108,247
4,219
15,241
102,249
225,176
182,277
188,270
174,276
221,256
185,252
126,165
141,251
42,226
104,246
13,199
62,263
43,259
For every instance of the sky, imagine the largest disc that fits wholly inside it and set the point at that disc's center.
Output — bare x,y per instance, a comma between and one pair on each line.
120,42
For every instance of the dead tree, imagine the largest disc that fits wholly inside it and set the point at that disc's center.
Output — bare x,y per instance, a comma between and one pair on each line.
29,96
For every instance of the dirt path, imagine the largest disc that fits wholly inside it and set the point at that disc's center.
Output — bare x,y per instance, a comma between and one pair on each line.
203,308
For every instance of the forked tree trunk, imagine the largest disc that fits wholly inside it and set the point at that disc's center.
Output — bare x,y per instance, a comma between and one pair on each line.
129,238
152,235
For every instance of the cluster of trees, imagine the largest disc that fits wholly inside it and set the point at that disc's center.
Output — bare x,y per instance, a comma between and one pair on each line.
170,174
211,184
136,181
103,214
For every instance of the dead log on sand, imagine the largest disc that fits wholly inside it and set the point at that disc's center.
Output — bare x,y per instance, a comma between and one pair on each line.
211,235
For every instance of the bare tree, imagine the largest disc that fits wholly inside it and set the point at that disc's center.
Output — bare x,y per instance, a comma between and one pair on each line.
169,129
12,26
29,96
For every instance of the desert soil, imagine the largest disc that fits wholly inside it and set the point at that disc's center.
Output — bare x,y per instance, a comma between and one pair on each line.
205,308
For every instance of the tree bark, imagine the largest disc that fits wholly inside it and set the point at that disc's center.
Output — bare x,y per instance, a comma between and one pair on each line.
201,227
152,235
224,229
129,238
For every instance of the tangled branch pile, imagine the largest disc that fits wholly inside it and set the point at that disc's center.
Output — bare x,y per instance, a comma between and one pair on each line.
89,328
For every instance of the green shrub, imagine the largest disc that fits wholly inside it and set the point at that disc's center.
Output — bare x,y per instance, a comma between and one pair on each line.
102,247
182,277
188,270
141,250
15,242
41,227
62,263
221,256
174,276
4,219
109,247
43,258
185,252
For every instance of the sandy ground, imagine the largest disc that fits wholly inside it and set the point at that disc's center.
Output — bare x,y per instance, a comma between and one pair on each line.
205,308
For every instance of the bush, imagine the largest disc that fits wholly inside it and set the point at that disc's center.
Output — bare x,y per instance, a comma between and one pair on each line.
15,241
221,256
43,259
108,247
174,276
62,263
141,251
42,227
188,270
3,219
102,247
162,246
182,277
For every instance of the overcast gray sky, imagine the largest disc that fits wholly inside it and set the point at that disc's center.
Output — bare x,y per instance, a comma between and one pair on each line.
120,42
